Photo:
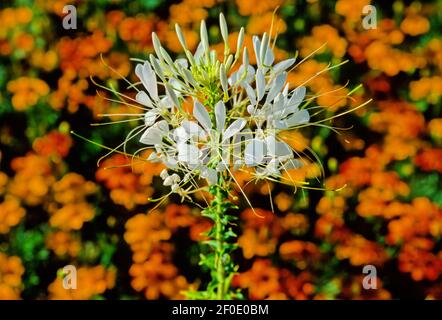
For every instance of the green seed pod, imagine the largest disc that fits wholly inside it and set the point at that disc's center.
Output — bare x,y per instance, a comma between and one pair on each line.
157,46
228,63
204,37
181,38
239,43
223,27
223,78
156,67
263,49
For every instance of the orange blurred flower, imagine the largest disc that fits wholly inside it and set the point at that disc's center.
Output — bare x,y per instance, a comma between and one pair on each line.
11,214
72,188
261,280
247,8
301,253
360,251
130,185
3,182
32,180
11,271
417,259
91,281
323,34
26,92
430,159
72,216
45,60
351,9
63,243
157,277
428,88
54,143
178,216
414,25
258,24
435,128
296,223
283,201
143,232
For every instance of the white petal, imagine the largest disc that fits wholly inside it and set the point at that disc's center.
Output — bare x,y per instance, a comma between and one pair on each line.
201,114
152,136
220,116
254,152
143,99
276,87
270,57
278,104
300,117
176,178
233,78
147,76
271,144
272,168
189,77
233,129
188,153
250,74
187,130
250,93
297,97
292,164
149,118
168,181
283,150
283,65
172,96
163,126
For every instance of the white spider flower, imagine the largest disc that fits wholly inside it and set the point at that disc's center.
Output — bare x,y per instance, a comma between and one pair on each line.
236,116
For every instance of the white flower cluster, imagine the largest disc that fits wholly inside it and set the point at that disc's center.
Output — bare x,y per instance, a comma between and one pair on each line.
236,116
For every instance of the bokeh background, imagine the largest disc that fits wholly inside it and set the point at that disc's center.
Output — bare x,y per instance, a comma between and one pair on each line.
58,208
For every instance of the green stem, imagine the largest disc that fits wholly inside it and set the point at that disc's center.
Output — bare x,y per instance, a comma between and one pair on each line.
219,227
221,243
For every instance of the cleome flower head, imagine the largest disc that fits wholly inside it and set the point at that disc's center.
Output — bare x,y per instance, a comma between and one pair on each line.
237,115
